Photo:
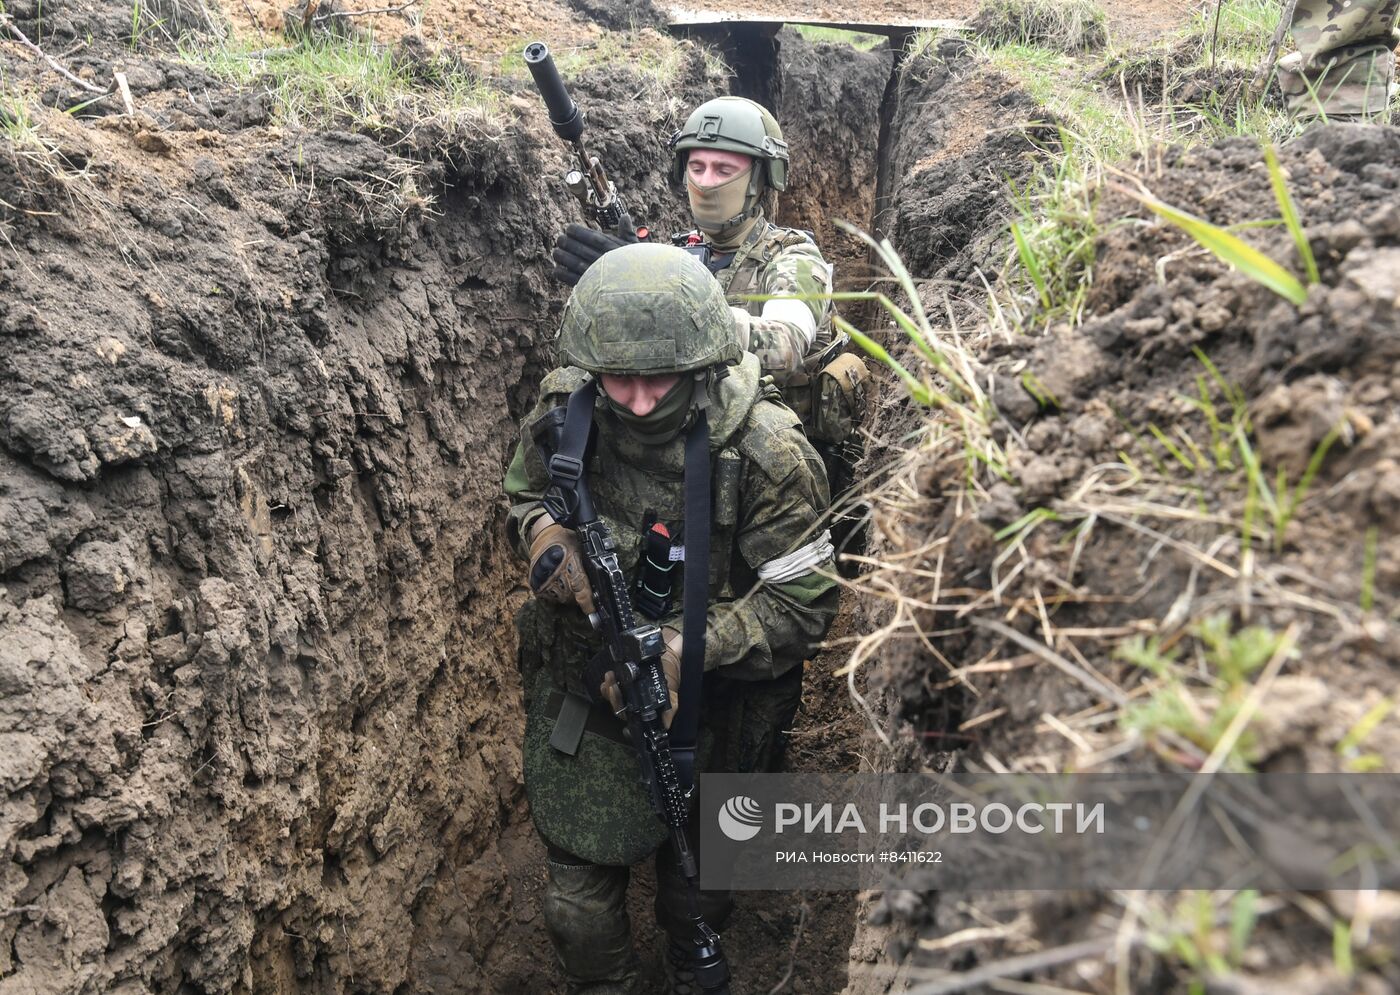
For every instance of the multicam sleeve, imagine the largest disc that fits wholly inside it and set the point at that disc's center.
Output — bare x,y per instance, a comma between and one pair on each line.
1343,65
786,329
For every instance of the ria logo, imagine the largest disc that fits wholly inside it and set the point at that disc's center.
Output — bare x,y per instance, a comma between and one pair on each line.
740,818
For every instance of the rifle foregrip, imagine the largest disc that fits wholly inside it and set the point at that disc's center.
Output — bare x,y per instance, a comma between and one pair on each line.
563,112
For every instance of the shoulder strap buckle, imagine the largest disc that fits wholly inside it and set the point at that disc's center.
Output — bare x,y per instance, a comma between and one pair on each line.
565,469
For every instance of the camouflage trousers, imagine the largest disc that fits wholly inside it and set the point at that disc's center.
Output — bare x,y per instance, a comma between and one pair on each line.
585,911
585,904
1345,61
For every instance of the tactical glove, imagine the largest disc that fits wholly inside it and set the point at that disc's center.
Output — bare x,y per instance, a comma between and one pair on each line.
580,246
670,666
556,565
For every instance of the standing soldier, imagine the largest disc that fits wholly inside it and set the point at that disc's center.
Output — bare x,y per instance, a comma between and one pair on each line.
730,154
648,344
1345,62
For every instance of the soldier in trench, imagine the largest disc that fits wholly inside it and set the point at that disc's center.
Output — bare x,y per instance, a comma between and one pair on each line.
648,337
1344,68
732,158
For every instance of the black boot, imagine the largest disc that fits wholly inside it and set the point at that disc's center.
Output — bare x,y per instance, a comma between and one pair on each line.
680,970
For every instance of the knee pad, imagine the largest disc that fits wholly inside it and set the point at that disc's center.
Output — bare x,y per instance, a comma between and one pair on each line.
585,912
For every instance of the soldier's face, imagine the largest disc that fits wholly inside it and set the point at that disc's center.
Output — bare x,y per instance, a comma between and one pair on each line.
639,394
711,167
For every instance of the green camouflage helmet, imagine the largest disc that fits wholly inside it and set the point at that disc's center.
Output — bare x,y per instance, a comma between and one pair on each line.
645,309
735,124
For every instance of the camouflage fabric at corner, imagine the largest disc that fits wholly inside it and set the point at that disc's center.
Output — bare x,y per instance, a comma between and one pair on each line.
776,261
1345,61
769,500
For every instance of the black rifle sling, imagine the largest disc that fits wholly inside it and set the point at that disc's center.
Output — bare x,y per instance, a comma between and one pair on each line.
695,596
567,465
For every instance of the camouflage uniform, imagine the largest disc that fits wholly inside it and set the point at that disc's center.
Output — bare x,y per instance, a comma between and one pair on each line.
793,339
1345,60
770,261
749,256
769,495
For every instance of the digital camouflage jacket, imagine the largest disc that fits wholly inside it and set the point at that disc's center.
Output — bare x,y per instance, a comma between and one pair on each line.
769,491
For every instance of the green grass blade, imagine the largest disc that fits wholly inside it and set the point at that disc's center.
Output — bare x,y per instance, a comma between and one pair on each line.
1290,213
1229,249
1172,448
1341,949
1031,263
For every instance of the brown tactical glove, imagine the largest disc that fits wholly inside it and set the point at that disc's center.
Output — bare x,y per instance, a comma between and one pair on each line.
670,666
556,565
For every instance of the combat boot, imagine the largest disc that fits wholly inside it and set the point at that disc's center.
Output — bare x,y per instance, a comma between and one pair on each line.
680,970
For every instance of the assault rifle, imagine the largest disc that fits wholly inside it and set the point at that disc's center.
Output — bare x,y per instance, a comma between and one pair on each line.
632,650
588,182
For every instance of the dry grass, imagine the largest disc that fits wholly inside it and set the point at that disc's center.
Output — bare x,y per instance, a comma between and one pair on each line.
35,162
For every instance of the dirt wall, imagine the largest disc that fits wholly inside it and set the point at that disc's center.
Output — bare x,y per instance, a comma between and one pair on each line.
1167,324
259,714
830,104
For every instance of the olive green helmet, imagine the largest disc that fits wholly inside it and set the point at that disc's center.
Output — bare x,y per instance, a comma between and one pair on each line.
735,124
644,309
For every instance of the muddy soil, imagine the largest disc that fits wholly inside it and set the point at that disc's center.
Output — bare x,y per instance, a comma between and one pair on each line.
829,119
1159,303
481,28
260,707
943,197
261,710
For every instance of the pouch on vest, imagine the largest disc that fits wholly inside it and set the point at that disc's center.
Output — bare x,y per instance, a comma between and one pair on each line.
588,802
839,399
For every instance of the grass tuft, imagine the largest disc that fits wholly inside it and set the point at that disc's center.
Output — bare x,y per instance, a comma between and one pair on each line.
839,36
326,81
1059,25
33,153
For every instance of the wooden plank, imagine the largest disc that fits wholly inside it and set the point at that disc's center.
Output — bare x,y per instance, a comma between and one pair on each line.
683,17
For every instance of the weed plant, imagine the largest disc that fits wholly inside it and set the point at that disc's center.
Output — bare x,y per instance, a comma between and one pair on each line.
1199,702
327,82
1204,935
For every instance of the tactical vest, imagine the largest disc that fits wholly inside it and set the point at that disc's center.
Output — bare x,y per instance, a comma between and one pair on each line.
741,276
829,392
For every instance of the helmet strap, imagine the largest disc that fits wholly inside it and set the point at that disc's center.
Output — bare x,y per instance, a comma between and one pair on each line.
700,399
754,198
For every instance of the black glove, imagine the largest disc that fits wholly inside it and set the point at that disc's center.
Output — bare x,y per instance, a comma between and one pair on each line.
579,248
